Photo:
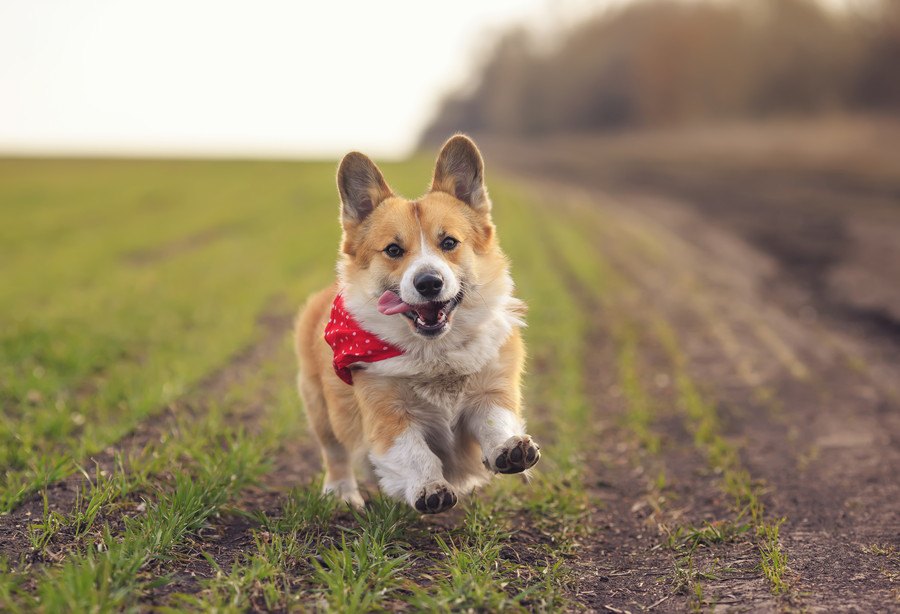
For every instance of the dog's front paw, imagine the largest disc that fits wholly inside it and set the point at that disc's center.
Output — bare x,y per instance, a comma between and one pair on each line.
435,498
515,456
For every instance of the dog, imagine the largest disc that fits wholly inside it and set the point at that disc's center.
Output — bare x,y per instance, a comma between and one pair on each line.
413,358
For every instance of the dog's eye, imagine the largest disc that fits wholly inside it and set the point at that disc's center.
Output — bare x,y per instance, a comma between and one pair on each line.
393,250
448,244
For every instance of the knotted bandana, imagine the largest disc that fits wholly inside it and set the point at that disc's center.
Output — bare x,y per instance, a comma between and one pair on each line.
351,343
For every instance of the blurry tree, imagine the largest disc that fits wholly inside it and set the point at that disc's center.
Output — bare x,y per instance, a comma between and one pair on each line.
664,62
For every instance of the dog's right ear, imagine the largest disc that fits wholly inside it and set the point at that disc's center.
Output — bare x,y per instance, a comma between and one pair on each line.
362,188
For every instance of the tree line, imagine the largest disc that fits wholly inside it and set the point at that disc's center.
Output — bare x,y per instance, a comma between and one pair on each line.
667,62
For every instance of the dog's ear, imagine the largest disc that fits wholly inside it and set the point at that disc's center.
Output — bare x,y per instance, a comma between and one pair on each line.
460,172
362,187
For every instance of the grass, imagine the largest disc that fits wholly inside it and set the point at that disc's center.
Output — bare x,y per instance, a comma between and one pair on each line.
467,572
707,534
132,286
773,560
119,338
178,450
298,557
111,578
359,574
303,509
284,546
885,550
96,342
640,414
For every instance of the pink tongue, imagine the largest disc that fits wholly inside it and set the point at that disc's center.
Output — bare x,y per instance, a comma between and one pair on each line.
390,303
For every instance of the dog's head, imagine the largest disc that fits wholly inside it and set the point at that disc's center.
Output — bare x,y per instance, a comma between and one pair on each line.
411,265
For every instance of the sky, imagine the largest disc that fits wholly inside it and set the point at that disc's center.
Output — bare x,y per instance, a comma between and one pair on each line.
257,78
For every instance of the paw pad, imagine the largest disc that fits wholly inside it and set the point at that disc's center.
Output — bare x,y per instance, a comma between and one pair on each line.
435,499
516,455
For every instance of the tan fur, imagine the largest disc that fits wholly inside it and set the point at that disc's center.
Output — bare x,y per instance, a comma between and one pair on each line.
370,415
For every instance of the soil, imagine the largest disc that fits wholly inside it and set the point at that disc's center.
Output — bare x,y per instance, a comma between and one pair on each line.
799,353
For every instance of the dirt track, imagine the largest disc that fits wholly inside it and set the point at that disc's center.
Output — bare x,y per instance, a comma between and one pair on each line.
785,285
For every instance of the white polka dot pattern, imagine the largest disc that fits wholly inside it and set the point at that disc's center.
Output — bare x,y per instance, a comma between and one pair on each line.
350,342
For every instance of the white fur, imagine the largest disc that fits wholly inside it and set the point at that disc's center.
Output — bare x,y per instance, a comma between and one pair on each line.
427,260
493,426
408,466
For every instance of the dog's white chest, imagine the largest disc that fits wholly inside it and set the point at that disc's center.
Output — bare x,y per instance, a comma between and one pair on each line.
444,391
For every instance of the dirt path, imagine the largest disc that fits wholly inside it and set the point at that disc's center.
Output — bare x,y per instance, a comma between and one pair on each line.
804,380
820,433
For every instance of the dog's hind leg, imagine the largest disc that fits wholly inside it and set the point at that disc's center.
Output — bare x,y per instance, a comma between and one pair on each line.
339,478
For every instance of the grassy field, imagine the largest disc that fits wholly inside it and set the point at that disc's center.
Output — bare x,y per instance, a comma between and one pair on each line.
130,289
154,453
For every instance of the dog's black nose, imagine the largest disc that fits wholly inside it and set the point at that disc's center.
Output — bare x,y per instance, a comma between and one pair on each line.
428,284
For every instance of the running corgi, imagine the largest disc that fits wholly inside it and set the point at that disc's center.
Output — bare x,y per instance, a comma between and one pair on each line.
413,358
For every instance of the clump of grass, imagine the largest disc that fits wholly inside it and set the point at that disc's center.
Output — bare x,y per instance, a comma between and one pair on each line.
283,548
385,519
303,509
555,502
688,578
773,559
707,534
358,576
40,533
886,550
478,572
230,590
471,570
697,599
469,581
94,495
16,484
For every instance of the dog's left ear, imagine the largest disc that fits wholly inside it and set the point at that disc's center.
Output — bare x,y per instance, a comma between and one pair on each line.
460,172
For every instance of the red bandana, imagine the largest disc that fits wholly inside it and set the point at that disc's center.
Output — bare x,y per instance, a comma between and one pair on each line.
352,343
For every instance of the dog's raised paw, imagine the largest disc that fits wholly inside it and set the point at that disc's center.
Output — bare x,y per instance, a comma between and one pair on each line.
435,498
516,455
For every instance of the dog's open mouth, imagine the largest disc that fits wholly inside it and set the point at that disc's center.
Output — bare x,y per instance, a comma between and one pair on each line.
428,319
